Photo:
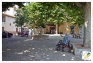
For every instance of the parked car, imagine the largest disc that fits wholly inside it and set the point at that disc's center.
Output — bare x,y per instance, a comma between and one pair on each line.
6,34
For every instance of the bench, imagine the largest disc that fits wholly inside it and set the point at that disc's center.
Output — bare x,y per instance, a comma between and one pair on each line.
62,46
76,36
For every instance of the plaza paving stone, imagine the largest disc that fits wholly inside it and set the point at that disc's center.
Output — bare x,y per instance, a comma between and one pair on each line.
25,49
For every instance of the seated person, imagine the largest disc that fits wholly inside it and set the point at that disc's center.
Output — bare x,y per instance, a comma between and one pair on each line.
75,35
64,43
78,36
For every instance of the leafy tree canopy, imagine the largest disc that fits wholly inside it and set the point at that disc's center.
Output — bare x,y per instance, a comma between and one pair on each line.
21,17
55,12
51,12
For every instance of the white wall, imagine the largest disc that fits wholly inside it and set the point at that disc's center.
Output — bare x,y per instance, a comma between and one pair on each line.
7,22
11,10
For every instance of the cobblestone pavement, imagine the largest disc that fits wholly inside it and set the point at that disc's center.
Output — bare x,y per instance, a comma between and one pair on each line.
25,49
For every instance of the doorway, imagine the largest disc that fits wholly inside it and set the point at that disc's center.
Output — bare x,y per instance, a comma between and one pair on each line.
52,30
2,28
72,29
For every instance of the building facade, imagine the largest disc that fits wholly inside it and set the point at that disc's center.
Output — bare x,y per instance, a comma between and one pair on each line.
8,23
66,27
8,20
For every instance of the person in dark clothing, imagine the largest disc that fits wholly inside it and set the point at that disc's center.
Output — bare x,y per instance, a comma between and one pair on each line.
65,42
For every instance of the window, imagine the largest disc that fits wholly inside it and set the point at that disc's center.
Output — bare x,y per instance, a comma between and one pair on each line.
10,24
3,18
14,8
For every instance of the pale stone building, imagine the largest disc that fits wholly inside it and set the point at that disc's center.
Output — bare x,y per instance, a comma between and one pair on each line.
8,23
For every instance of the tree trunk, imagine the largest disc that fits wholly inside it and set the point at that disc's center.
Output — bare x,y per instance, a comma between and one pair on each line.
66,27
34,30
87,25
21,29
56,29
